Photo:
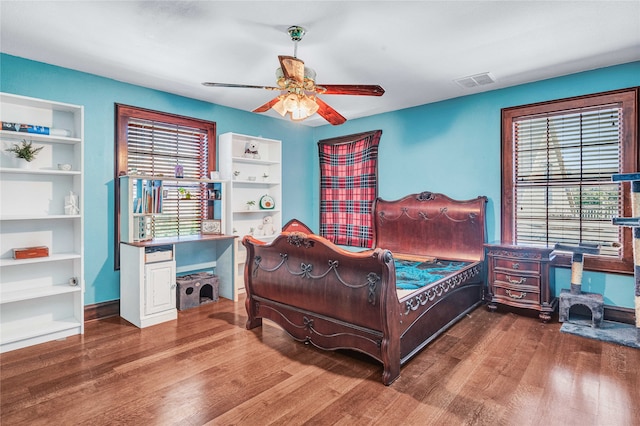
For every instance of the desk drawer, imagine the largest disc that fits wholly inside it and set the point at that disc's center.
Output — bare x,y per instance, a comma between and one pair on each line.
158,254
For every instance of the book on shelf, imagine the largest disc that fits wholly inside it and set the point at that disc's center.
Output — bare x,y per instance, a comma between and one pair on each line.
34,129
150,198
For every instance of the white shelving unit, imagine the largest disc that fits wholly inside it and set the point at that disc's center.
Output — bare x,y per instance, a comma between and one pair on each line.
148,282
38,302
132,223
249,183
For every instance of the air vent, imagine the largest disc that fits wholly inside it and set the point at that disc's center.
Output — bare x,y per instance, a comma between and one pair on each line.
475,80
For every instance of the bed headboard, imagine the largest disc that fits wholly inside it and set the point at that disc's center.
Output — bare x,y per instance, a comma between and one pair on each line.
429,224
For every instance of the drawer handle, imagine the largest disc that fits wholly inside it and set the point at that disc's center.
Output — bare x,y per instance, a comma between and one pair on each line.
516,266
520,281
513,296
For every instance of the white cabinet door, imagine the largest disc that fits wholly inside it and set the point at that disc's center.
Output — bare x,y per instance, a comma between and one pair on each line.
160,287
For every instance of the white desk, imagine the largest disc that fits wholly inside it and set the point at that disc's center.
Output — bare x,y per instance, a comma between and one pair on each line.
148,289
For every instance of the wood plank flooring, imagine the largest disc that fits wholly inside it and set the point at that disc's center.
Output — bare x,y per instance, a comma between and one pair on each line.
206,368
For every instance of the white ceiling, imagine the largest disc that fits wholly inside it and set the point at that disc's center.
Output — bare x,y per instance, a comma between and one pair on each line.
414,49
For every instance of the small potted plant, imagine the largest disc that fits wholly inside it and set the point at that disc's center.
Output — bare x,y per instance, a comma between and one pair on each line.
265,176
236,173
250,204
184,194
25,151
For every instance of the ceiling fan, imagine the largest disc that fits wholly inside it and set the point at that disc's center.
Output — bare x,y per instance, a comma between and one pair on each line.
299,90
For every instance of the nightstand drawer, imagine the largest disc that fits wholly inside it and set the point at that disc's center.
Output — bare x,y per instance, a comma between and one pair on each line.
518,281
516,265
516,296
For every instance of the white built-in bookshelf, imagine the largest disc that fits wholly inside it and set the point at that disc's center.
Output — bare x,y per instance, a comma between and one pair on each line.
41,205
254,177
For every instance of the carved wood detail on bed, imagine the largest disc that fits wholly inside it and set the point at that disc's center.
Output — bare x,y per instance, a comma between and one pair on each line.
416,300
368,279
296,269
333,298
431,225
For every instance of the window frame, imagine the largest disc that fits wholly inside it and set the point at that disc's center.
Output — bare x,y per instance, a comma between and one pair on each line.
629,162
122,115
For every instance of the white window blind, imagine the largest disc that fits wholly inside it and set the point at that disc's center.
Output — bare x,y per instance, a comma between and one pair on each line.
563,166
155,148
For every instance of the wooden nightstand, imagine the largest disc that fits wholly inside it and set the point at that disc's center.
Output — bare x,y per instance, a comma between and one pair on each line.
520,276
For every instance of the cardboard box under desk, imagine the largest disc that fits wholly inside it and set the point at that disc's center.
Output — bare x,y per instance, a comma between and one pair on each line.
30,252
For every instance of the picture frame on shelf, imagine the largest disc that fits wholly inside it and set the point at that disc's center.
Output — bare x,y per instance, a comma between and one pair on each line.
211,226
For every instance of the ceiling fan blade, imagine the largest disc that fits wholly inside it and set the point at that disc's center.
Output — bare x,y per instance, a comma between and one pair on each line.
292,68
329,114
351,89
244,86
268,105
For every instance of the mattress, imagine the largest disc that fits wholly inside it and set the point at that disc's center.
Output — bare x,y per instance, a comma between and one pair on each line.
412,275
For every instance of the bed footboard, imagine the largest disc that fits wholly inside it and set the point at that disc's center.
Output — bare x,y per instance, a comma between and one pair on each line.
326,296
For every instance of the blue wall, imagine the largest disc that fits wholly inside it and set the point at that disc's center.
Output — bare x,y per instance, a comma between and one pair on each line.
98,95
451,147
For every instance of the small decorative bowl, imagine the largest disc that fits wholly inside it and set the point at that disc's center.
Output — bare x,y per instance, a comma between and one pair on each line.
65,167
251,178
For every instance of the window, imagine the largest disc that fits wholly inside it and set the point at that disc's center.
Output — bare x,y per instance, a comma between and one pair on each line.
153,143
557,162
348,188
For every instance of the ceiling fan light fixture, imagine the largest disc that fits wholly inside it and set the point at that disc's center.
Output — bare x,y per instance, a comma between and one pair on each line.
298,115
279,107
299,107
304,111
291,102
310,105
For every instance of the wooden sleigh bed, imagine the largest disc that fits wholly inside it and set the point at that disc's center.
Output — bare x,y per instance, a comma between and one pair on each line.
424,274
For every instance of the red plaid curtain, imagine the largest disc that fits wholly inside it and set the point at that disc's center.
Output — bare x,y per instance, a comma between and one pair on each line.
348,188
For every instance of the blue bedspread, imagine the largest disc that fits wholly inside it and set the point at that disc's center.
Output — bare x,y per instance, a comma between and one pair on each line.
412,275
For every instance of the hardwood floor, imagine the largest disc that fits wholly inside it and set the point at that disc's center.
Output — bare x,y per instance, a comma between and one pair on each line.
206,368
